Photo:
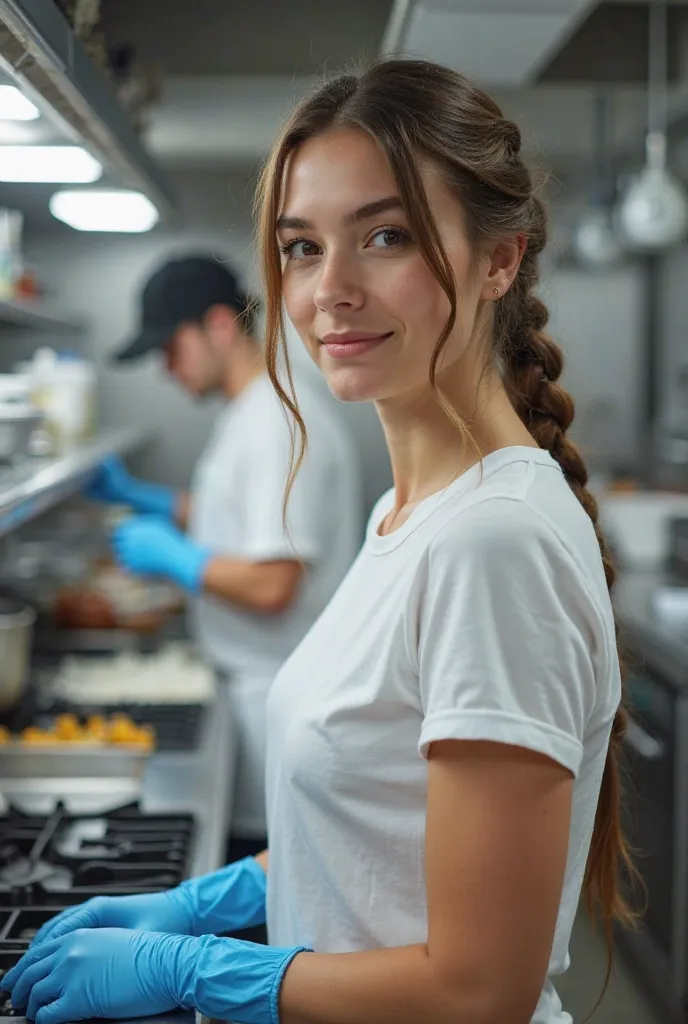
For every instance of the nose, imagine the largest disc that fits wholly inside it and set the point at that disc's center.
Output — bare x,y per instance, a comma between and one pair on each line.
339,286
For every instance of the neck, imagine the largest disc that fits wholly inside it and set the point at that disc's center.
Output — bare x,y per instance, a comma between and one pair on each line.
426,448
245,363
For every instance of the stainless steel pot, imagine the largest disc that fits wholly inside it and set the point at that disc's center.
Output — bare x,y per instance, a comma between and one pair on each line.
16,630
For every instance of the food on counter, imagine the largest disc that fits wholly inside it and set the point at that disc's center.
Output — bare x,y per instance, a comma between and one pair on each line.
113,599
119,730
171,676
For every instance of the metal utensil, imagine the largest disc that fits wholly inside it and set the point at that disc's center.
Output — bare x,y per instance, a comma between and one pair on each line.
17,426
16,630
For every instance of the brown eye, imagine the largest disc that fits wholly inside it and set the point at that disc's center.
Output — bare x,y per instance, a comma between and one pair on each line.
299,249
389,238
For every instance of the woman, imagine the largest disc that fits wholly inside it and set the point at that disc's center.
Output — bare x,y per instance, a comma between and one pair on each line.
442,778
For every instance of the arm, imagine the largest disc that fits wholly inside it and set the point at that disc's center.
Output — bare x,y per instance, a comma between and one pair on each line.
496,846
182,510
268,587
152,546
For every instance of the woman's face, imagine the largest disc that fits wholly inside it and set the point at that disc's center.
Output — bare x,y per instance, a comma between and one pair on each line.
355,284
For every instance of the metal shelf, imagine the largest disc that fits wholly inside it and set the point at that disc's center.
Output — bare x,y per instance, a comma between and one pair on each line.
40,51
29,490
37,315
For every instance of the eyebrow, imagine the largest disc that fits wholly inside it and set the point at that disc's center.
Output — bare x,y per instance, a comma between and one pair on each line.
362,213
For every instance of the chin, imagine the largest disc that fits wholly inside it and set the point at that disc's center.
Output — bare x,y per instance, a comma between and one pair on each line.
354,384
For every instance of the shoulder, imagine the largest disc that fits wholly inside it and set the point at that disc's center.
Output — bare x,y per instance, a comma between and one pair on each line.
499,529
504,551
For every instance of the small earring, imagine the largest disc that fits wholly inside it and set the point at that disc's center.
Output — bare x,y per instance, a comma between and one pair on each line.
495,291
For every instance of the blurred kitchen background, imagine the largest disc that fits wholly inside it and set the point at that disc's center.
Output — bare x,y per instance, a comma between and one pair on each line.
170,107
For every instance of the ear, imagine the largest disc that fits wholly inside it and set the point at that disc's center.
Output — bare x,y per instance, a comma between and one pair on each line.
222,323
504,264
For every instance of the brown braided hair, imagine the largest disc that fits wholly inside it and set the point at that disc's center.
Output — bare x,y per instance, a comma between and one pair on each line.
418,110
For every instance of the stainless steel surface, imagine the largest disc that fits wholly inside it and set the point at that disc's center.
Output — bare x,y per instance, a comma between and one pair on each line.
202,782
31,489
39,50
680,872
16,629
70,763
16,429
37,315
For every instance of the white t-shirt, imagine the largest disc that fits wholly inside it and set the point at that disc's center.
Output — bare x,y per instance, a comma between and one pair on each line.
237,497
485,616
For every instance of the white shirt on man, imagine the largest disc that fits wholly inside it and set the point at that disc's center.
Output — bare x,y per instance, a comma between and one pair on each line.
485,616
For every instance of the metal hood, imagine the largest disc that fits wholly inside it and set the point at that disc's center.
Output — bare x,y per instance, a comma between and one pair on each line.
494,42
39,50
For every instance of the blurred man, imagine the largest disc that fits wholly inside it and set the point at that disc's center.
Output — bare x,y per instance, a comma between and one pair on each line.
256,588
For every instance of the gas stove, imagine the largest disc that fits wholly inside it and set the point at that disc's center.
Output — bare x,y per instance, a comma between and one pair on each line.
51,862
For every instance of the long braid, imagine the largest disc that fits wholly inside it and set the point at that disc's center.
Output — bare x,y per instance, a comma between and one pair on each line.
532,364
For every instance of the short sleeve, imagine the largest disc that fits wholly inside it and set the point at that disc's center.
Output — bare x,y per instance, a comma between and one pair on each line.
507,634
266,537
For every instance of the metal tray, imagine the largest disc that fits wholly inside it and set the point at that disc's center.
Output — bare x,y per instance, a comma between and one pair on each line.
67,761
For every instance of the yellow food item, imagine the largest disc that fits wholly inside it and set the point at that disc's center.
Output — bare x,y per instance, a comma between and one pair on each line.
67,728
97,729
34,737
120,730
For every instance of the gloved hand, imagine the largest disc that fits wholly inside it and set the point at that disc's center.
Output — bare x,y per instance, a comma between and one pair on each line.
114,484
152,546
117,974
228,899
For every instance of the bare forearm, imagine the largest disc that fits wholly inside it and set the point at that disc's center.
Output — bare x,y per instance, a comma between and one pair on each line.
257,587
389,986
182,510
263,859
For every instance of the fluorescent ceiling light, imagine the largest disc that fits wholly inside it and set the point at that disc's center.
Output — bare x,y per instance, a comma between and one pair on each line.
14,105
97,210
48,164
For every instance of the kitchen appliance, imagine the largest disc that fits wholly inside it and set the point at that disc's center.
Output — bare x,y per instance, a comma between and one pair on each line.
594,241
18,425
16,630
655,774
653,213
55,861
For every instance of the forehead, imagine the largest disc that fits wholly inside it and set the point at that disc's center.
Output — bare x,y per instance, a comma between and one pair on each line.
333,167
330,175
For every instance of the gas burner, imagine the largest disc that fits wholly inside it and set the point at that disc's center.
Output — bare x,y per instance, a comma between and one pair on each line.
66,858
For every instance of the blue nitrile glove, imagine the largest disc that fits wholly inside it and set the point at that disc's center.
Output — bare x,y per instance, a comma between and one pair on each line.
118,974
152,546
114,484
225,901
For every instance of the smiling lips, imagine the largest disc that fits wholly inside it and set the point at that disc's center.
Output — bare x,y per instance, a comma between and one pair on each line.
352,343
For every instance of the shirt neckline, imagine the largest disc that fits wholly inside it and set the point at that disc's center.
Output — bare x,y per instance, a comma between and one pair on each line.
490,464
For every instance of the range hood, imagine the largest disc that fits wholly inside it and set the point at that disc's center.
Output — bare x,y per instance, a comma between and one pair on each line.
41,53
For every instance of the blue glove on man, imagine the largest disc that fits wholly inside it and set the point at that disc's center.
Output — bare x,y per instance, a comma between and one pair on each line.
225,901
113,484
117,974
152,546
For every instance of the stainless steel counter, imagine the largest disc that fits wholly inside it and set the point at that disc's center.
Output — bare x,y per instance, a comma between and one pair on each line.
201,783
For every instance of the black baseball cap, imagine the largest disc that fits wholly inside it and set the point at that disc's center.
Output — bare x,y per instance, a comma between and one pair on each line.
179,291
